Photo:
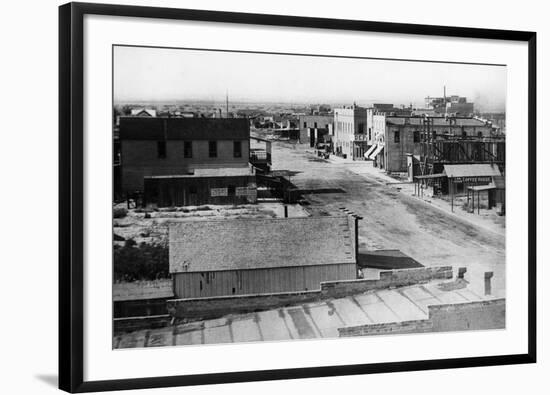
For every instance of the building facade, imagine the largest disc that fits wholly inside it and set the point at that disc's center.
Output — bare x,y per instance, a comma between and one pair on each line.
350,132
204,186
406,135
260,256
453,104
312,126
152,147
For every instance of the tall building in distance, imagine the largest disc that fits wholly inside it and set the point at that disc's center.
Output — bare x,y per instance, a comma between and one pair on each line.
452,104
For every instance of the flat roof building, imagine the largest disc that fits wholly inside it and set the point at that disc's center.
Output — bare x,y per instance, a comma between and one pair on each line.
312,126
350,132
155,146
410,135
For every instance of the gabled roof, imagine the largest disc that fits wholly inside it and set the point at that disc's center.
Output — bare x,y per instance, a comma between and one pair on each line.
239,244
143,112
471,170
160,128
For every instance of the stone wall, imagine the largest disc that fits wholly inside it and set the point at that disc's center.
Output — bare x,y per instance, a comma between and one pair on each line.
217,306
486,314
414,326
388,279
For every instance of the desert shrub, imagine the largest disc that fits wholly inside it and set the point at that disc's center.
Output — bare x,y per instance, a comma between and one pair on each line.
119,212
134,262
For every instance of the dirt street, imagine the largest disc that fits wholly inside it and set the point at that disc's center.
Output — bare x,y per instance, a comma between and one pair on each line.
392,219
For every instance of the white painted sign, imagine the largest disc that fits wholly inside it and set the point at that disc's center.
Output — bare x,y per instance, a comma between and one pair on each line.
218,192
245,191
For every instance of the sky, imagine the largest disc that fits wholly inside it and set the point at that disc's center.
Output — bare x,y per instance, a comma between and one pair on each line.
162,74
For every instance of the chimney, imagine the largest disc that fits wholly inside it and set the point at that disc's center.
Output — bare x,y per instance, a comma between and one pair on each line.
356,219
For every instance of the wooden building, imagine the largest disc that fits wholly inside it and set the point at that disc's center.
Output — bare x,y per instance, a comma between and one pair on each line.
461,179
258,256
311,125
204,186
164,146
461,140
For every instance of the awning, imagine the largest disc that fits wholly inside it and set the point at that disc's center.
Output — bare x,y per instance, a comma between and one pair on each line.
369,151
472,170
376,152
479,188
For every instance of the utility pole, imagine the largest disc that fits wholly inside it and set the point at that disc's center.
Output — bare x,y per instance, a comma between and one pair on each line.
445,98
226,104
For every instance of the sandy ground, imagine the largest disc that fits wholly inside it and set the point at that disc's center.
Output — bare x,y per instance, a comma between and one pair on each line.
152,227
393,219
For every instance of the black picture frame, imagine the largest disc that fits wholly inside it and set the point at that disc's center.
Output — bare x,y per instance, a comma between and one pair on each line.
71,224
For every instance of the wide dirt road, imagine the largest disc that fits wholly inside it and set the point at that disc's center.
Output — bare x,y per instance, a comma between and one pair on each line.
394,220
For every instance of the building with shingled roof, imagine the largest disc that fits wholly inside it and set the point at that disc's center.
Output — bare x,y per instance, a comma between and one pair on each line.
259,256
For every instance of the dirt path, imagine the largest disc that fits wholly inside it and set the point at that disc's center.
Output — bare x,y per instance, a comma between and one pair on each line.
393,219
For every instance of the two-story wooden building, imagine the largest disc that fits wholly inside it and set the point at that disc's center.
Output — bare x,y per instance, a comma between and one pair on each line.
182,161
405,136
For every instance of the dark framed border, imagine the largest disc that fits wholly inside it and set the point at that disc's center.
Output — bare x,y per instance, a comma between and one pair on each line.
71,225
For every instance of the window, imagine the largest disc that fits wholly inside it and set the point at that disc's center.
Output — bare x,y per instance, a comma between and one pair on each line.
305,125
361,128
161,149
396,137
212,149
187,149
315,125
464,134
480,134
231,190
237,151
416,136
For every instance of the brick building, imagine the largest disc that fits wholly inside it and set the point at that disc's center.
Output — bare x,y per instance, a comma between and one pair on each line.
154,147
258,256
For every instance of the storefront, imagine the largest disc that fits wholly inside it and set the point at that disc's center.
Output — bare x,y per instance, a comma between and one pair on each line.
462,178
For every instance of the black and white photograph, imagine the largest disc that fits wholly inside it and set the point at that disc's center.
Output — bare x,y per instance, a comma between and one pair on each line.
274,197
290,197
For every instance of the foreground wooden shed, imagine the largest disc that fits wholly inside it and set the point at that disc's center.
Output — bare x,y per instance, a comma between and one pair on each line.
258,256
